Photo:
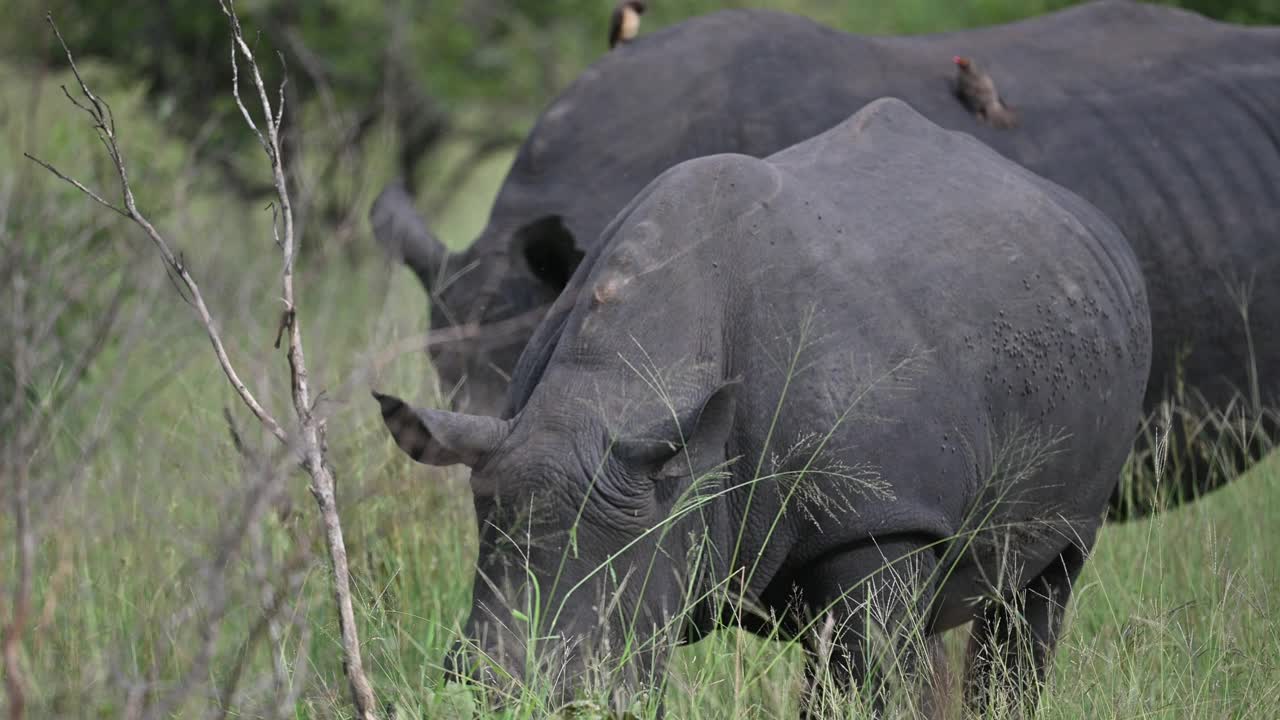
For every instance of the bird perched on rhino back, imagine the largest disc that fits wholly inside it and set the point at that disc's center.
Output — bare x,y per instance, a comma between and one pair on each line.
978,92
625,22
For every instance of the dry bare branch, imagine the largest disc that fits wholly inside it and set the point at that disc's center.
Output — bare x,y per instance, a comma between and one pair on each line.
312,428
307,443
43,358
475,334
16,467
105,125
274,605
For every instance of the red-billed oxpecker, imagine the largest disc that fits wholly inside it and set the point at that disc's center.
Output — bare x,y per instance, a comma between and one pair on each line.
625,23
978,92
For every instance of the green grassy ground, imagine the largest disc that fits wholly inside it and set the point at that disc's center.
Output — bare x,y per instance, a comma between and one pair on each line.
1175,617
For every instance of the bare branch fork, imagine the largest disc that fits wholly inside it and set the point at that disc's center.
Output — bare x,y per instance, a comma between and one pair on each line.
308,441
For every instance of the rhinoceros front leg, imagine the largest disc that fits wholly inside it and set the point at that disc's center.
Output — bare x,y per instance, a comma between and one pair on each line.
868,618
1012,641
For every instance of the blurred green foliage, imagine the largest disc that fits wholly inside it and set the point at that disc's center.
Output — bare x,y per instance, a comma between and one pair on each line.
457,82
1241,11
495,62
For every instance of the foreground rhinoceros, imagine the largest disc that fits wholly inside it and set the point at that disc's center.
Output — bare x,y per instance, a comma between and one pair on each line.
1166,121
884,354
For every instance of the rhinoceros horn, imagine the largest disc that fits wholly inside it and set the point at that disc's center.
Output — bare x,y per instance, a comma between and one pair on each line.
440,437
401,231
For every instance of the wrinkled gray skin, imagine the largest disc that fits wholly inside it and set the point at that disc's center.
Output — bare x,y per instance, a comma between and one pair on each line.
949,343
1166,121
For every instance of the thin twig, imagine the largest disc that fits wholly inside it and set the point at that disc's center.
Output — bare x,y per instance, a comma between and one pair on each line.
500,332
235,88
58,399
76,183
106,130
236,441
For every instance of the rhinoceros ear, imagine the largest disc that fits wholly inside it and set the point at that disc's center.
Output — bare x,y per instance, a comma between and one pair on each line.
549,251
703,432
440,437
